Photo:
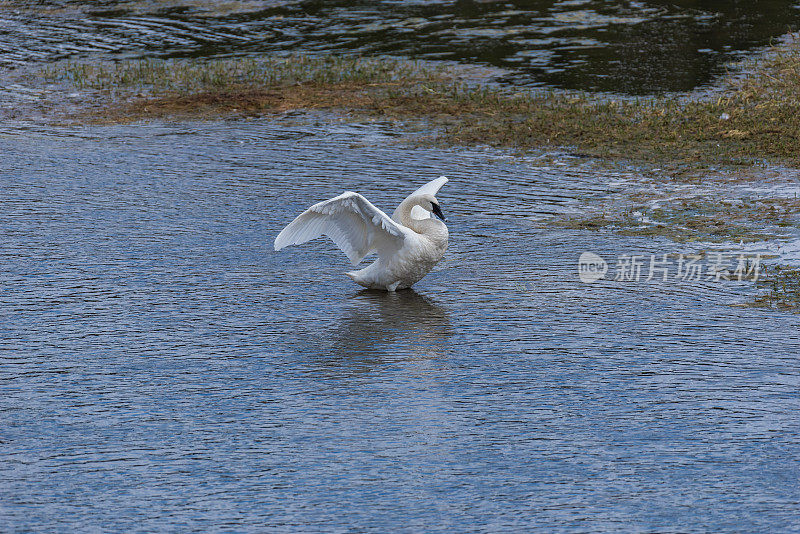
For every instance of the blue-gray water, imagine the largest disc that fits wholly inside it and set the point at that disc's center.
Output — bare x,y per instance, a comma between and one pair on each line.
163,369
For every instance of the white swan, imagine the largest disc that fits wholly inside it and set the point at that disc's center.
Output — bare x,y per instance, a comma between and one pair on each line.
408,244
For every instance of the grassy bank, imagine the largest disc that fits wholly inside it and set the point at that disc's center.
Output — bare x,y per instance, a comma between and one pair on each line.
755,118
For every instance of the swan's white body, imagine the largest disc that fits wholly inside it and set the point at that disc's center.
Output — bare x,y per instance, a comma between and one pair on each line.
408,244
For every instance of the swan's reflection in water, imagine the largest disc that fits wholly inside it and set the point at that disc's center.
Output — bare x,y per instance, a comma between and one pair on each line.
378,327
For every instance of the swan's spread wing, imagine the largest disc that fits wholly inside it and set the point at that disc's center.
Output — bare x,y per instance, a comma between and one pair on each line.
431,188
351,221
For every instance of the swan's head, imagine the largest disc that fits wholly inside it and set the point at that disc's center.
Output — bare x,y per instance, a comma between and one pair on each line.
429,203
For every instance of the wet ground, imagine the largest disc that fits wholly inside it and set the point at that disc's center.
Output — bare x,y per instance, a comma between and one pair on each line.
628,47
164,369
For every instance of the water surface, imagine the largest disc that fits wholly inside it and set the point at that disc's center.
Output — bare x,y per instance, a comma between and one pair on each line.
162,368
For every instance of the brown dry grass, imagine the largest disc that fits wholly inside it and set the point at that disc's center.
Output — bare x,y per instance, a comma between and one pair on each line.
756,118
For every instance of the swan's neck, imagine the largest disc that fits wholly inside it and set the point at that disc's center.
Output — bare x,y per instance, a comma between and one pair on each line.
402,212
430,227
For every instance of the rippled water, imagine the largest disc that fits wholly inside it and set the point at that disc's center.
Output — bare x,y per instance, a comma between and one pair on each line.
162,368
629,47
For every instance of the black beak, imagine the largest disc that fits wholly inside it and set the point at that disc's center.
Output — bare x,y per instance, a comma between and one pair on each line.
438,212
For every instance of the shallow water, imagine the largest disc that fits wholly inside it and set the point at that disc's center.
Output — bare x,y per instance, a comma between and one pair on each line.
162,368
624,47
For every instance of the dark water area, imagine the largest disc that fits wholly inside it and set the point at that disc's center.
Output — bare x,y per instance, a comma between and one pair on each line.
624,47
163,369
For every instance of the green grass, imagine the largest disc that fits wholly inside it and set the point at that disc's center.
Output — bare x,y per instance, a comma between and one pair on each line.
188,76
